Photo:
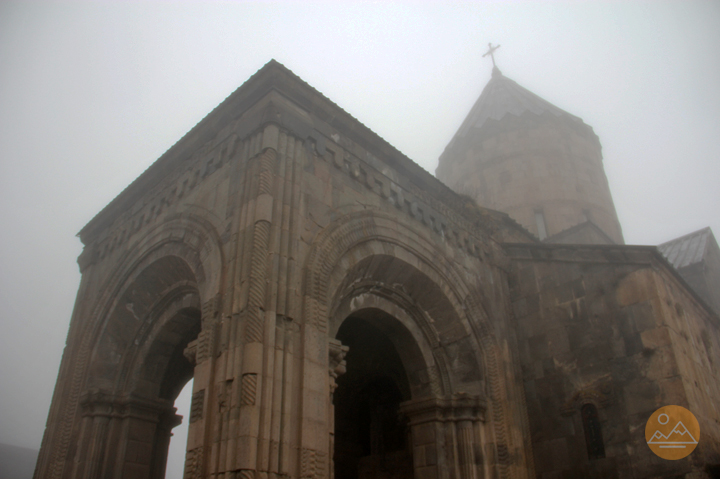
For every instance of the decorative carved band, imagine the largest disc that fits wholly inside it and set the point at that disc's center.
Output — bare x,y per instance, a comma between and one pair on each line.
204,345
313,464
248,393
261,241
97,402
197,404
456,408
452,228
193,463
256,292
214,160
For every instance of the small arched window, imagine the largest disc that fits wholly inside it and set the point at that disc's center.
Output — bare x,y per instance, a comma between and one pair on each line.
593,433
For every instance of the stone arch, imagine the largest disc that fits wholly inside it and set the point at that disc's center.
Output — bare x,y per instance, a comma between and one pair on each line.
177,326
370,436
191,249
362,235
131,328
188,250
403,330
345,258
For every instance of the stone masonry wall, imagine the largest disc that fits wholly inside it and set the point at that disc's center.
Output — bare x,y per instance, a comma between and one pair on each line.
612,328
520,165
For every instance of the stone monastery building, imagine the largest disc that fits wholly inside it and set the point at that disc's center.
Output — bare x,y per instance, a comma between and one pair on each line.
346,314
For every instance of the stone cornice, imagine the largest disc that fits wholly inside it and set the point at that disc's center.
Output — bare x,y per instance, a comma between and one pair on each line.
326,119
458,407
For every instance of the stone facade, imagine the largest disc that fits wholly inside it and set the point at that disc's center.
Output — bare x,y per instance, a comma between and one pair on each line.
616,328
344,314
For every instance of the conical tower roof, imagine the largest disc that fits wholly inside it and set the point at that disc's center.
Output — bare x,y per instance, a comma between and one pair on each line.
520,154
503,96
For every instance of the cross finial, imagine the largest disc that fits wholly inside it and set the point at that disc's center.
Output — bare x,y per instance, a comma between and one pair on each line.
491,51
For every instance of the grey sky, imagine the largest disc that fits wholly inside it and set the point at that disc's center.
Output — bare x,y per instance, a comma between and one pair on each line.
92,93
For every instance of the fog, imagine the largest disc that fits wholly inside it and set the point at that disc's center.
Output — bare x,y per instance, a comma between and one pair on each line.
92,93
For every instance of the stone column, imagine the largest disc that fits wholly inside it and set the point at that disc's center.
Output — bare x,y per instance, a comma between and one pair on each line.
98,408
168,421
123,436
445,440
201,353
465,414
256,373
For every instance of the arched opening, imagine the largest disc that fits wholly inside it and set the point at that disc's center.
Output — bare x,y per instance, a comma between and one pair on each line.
417,307
140,364
166,369
169,370
371,436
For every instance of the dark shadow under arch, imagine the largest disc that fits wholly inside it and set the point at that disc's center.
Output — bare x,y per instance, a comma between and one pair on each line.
166,364
371,437
431,327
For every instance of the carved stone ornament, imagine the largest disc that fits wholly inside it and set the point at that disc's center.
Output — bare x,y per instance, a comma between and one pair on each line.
336,361
598,393
98,402
456,408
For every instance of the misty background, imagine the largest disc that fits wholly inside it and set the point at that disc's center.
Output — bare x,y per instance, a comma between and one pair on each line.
92,93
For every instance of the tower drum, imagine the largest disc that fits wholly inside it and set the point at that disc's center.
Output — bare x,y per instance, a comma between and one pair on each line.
521,155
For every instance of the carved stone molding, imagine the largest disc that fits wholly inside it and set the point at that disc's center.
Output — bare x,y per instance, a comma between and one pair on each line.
190,352
197,405
456,408
598,393
194,463
205,162
211,309
433,214
97,402
336,361
313,464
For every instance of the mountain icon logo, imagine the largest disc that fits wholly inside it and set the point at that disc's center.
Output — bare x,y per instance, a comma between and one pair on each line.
672,432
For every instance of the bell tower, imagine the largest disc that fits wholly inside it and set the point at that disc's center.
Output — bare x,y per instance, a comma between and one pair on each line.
521,155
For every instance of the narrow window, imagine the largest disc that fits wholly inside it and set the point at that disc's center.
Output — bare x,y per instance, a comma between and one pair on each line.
593,433
540,222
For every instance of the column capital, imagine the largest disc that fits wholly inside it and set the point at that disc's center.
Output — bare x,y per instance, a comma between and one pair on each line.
98,402
336,361
455,408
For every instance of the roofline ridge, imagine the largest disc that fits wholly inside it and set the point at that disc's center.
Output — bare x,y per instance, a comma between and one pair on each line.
687,235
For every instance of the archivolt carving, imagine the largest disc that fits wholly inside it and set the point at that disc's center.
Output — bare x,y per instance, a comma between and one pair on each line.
417,343
349,233
358,228
180,299
497,387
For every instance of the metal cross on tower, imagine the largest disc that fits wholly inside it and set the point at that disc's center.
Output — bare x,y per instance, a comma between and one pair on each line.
491,51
